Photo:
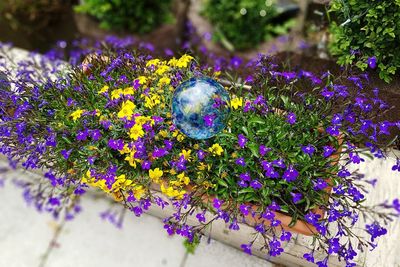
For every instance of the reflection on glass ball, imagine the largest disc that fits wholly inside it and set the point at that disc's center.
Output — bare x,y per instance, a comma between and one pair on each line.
200,108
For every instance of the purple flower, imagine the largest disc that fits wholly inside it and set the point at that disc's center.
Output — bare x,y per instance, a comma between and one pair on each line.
245,177
372,62
327,151
336,119
96,135
201,154
296,197
168,144
146,165
244,209
355,158
159,152
117,144
327,94
291,118
54,201
308,149
82,135
217,203
268,214
66,153
236,62
312,218
290,174
200,217
333,130
279,163
209,120
384,127
355,193
309,257
256,184
246,248
375,230
242,183
242,140
240,161
234,225
396,205
263,150
275,247
343,173
320,184
285,236
170,229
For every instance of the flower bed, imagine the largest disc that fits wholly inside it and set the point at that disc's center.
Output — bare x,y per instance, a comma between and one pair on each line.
113,130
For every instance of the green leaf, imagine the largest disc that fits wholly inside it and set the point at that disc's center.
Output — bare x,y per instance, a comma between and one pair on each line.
254,149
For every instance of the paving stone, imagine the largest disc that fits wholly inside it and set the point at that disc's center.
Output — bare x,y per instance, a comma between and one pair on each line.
216,254
24,233
90,241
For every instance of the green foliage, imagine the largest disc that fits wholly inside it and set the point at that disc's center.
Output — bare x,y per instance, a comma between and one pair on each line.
191,246
140,16
244,23
364,29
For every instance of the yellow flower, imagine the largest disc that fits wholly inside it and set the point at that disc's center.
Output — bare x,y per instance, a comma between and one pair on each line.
125,113
152,101
125,150
138,192
216,149
186,154
237,102
128,91
126,109
103,89
143,119
155,174
172,62
162,69
171,192
76,114
207,184
131,159
196,146
184,61
183,179
164,81
202,166
163,133
142,80
152,62
136,131
115,94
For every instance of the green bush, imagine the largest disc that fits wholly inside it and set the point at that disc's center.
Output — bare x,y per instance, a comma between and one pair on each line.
244,23
139,16
367,29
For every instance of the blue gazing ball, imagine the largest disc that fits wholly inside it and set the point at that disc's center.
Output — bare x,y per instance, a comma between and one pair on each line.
200,108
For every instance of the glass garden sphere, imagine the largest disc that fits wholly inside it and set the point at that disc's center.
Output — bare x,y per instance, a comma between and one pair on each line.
200,108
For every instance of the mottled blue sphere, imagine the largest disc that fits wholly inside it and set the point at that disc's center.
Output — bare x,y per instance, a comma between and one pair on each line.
200,108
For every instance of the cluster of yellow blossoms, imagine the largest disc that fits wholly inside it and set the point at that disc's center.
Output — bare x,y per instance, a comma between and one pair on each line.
121,184
177,184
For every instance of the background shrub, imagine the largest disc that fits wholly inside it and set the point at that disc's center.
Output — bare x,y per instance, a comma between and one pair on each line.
244,23
32,15
139,16
366,29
